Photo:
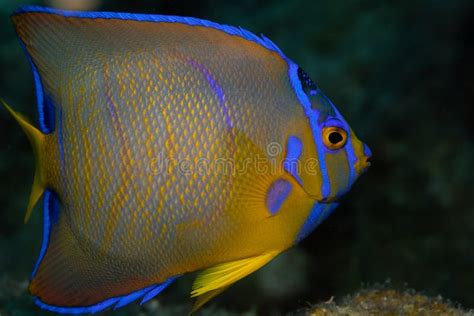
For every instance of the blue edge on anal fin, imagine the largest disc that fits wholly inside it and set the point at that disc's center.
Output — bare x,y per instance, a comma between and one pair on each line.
50,217
116,302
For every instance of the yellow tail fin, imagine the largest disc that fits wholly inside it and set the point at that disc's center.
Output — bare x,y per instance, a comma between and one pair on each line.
37,140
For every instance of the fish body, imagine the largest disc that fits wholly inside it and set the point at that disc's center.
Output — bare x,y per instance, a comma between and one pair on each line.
168,145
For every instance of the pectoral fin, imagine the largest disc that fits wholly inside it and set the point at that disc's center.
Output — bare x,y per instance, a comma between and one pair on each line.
214,280
206,297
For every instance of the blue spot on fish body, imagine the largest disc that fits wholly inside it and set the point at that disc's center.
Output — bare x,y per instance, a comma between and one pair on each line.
277,194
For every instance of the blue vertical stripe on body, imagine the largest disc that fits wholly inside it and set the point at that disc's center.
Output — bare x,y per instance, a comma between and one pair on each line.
216,89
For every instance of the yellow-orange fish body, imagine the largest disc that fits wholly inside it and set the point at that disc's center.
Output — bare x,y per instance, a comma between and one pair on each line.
170,145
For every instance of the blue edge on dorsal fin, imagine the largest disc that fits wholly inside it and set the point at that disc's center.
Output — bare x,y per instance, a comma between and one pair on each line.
50,217
231,30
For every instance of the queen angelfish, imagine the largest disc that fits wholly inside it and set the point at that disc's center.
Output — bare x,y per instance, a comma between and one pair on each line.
168,145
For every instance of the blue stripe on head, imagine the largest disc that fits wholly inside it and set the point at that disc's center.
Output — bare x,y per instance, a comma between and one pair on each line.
349,149
313,117
311,222
328,211
231,30
318,214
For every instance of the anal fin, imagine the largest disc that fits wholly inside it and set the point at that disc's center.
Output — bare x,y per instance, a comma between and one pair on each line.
69,279
216,279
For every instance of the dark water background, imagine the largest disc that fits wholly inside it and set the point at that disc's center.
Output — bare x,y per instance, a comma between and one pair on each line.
402,74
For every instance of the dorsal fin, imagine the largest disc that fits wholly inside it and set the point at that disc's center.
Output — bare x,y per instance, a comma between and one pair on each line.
156,18
61,44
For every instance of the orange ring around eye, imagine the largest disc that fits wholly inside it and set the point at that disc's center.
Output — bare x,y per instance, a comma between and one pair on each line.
334,137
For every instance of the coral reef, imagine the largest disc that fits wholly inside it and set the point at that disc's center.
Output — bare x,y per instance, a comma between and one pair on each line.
388,302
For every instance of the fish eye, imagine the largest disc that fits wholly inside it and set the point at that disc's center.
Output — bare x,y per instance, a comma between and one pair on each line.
334,137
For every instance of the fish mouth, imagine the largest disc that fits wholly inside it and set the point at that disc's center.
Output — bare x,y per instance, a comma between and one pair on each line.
337,198
362,165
